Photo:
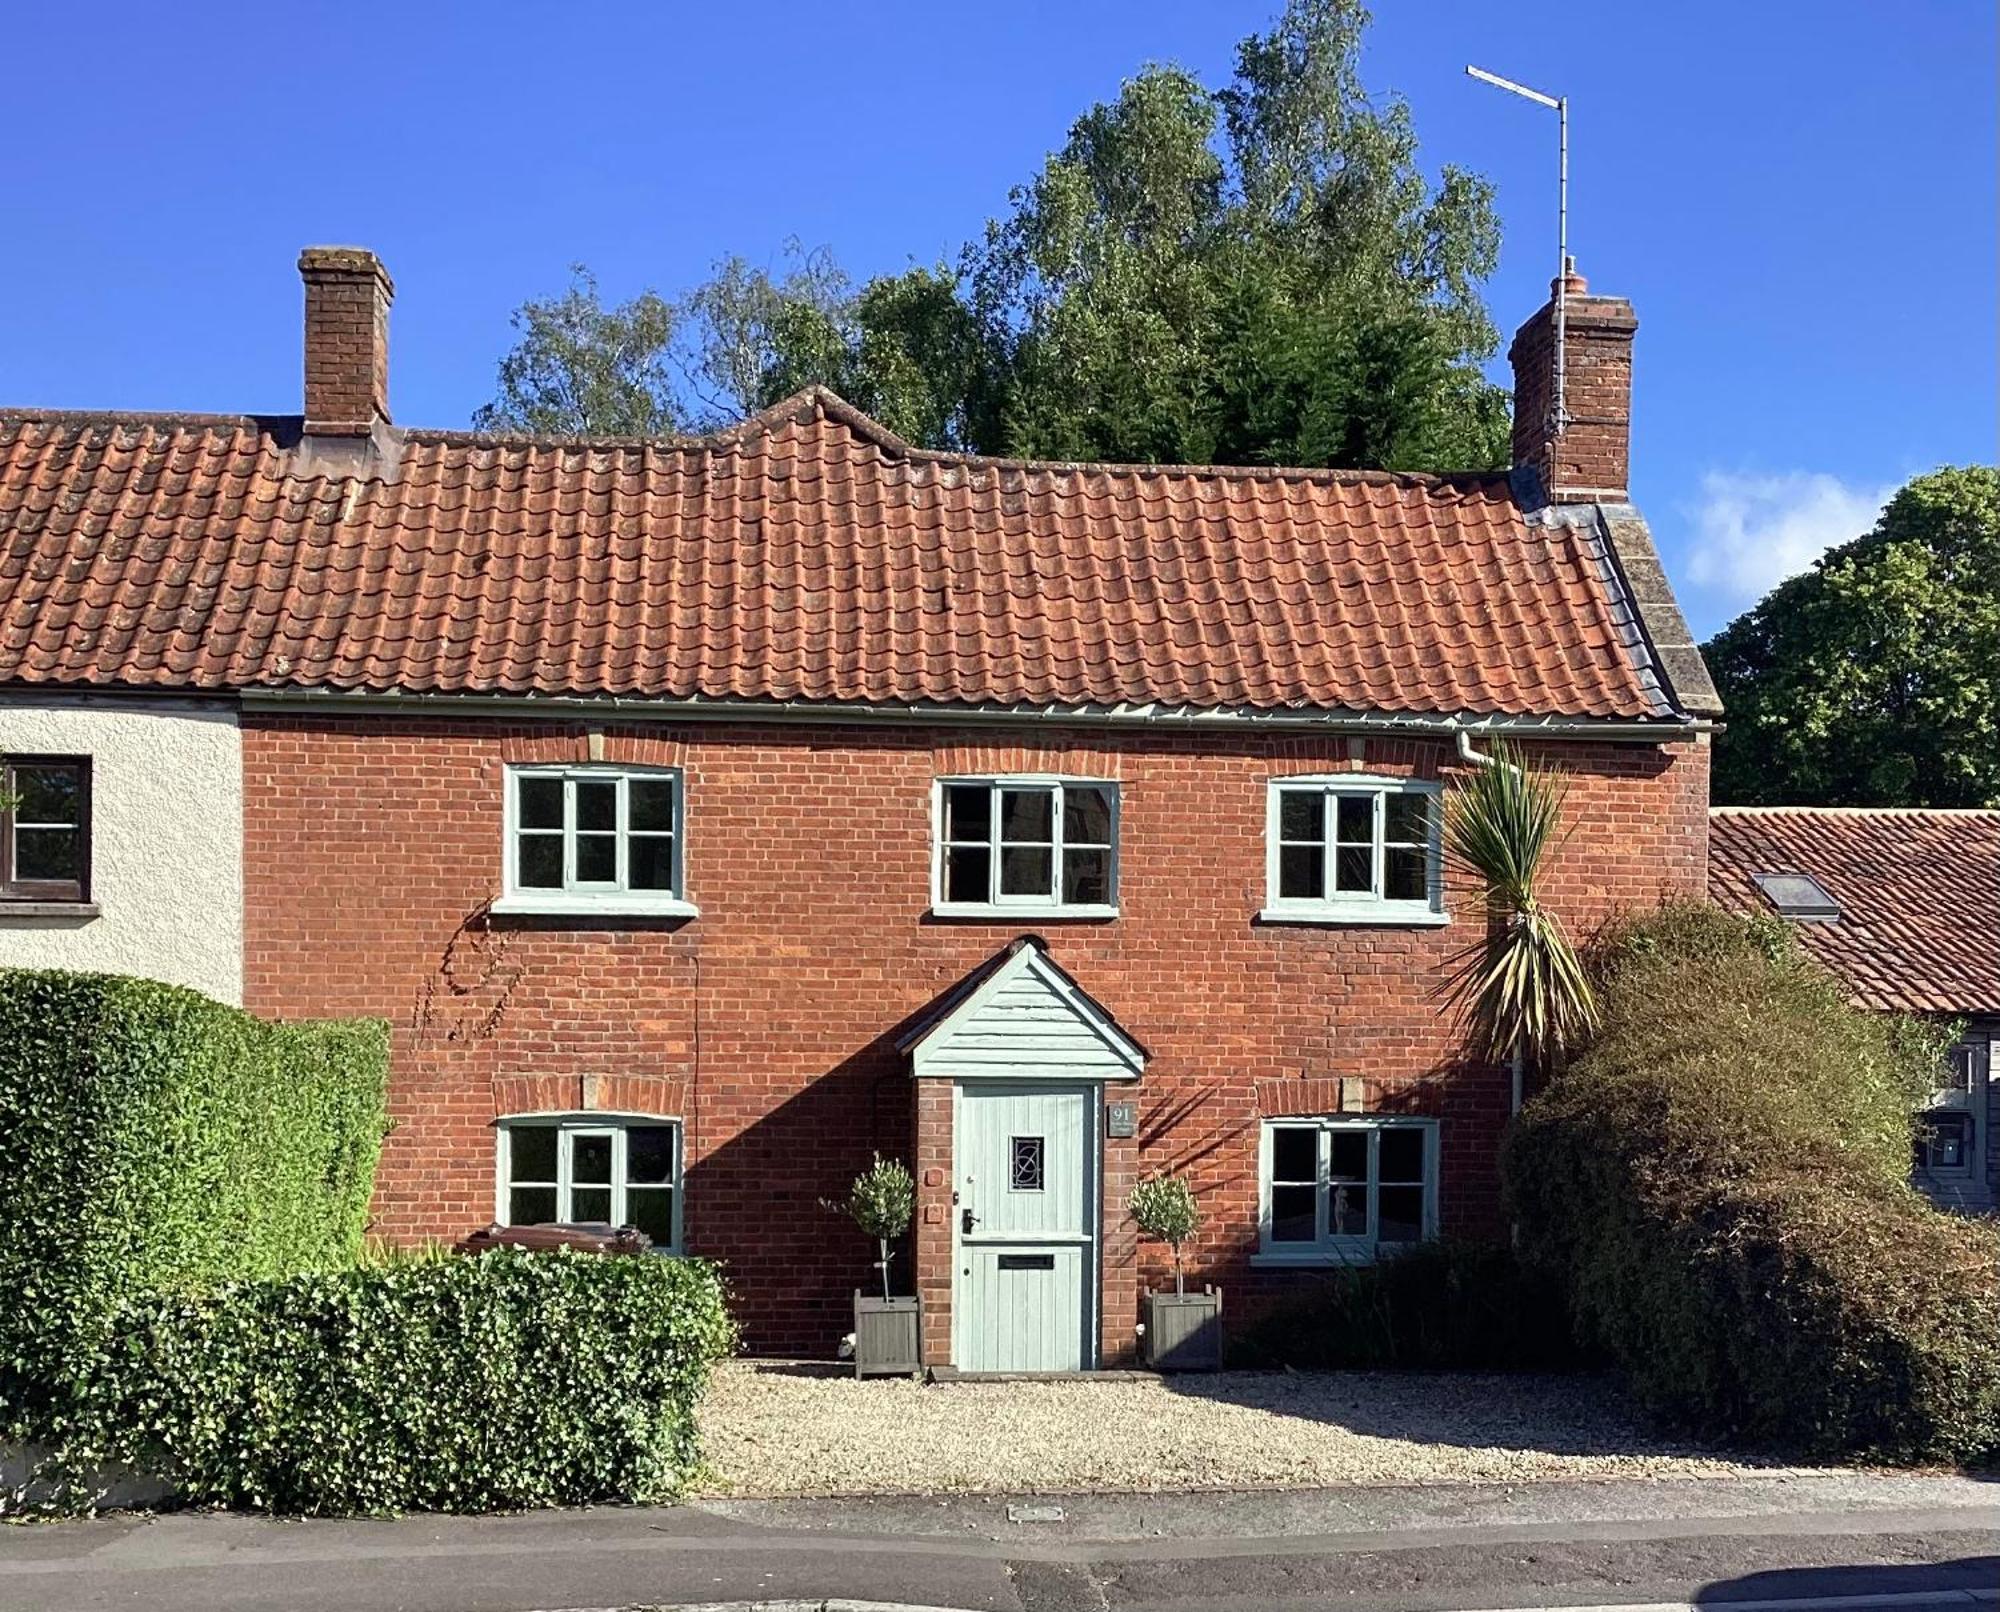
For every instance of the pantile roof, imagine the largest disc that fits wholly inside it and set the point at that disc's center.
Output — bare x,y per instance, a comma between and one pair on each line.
805,555
1919,896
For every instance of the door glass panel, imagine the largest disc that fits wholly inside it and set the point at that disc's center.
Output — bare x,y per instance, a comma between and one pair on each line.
1025,1163
531,1206
1399,1214
651,1209
1025,870
539,803
649,1154
590,1160
532,1151
1294,1214
596,803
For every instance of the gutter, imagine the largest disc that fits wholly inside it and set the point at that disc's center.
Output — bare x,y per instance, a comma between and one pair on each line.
1664,730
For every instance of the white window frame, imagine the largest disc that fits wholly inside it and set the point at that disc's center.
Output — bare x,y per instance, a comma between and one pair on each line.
1001,906
567,1128
1326,1249
1356,907
577,897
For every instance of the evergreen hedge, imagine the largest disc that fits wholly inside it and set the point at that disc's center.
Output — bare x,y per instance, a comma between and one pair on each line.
1722,1179
503,1380
152,1138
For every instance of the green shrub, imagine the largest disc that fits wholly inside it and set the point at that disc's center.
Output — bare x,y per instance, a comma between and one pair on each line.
1466,1306
504,1380
153,1138
1722,1180
1165,1210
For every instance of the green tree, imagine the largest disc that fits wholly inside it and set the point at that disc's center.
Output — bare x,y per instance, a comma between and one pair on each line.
1874,678
1256,273
583,369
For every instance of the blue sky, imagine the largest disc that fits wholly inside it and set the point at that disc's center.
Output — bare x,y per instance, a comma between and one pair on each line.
1799,197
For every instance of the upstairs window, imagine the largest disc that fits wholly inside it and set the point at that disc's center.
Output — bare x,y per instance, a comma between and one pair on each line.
1354,850
590,1170
1344,1190
45,828
584,837
1007,844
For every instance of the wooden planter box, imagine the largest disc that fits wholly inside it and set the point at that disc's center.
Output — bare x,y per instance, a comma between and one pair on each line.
888,1336
1184,1331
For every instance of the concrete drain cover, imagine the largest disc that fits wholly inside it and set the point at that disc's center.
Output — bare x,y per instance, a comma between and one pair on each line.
1034,1513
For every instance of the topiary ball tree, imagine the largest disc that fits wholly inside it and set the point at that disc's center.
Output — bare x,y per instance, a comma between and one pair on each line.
1166,1211
881,1202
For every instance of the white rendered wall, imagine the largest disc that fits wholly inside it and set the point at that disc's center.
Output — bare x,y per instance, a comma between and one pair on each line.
166,842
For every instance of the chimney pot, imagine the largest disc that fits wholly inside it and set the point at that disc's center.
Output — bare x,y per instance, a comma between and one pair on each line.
1586,458
348,293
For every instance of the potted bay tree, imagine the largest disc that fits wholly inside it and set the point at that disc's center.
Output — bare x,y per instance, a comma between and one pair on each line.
888,1336
1183,1329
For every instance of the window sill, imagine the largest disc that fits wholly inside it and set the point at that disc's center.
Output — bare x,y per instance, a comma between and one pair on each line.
48,909
1375,914
1328,1258
557,904
1009,910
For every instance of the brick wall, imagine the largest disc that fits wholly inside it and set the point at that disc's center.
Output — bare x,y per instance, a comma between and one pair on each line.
347,339
767,1023
1592,458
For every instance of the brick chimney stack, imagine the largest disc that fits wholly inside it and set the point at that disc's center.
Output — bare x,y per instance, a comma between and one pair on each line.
347,340
1589,460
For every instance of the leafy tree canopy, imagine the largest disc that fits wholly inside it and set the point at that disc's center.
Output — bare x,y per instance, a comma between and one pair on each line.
1257,273
1874,678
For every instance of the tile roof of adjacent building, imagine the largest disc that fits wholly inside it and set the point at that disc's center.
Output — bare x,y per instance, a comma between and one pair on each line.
1919,895
804,555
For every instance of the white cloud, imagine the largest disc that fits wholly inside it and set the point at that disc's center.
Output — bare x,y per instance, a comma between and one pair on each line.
1751,531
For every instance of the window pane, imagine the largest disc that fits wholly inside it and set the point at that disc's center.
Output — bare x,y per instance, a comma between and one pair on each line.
1409,819
590,1203
1025,870
596,858
531,1206
968,812
1347,1155
48,853
1301,872
1086,815
539,803
596,803
650,862
532,1153
1399,1215
1027,815
1407,874
590,1159
1300,815
649,1154
651,1209
967,871
1355,819
541,862
1086,877
1294,1154
1347,1211
1402,1157
651,804
1354,868
1294,1214
49,795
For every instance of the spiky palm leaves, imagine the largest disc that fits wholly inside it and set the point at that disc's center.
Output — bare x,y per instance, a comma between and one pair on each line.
1525,992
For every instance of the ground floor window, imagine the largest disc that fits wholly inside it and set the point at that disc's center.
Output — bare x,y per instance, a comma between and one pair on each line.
1345,1188
1944,1140
591,1170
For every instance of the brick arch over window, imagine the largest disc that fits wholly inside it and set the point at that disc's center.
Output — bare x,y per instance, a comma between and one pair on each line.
632,747
649,1095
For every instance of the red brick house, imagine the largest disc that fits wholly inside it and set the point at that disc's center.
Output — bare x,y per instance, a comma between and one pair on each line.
709,814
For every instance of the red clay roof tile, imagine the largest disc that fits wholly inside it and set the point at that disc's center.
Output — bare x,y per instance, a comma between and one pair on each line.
803,555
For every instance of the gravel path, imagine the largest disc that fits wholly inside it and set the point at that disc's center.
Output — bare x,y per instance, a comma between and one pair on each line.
772,1429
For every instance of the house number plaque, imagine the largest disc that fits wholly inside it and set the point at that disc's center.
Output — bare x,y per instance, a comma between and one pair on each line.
1121,1119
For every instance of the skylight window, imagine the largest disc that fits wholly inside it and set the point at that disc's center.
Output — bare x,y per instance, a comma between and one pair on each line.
1799,897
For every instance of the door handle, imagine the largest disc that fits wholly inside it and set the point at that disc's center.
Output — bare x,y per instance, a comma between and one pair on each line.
966,1221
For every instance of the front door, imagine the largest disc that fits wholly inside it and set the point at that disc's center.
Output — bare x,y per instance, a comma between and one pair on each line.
1024,1286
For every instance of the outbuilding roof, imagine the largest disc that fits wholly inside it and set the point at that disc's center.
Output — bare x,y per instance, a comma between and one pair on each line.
804,555
1918,893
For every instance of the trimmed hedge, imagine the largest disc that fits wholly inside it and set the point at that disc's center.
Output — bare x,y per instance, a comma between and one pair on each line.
1462,1306
503,1380
1722,1180
151,1138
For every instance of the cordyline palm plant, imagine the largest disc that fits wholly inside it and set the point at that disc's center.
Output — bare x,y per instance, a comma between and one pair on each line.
1524,991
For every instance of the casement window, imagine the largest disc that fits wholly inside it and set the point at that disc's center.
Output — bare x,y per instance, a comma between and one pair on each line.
1005,845
592,1170
45,829
1344,1190
1353,849
1944,1141
589,838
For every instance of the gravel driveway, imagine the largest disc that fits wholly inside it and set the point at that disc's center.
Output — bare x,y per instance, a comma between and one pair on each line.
775,1429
